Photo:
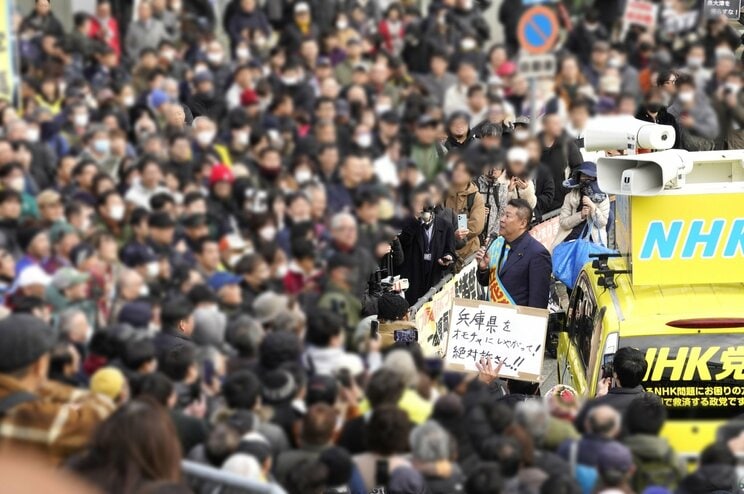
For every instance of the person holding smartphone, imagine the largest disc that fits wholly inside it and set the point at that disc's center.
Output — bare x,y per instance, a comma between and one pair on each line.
516,177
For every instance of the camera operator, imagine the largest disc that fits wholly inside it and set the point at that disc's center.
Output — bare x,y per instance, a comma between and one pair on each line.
428,242
584,205
392,316
494,195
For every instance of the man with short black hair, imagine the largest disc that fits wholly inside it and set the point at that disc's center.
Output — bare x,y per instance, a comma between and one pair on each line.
519,265
324,341
177,322
629,367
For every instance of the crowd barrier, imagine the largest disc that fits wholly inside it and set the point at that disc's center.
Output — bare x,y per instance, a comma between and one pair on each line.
203,479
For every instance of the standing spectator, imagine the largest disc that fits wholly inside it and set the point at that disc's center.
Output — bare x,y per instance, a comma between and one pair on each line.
729,104
560,153
583,36
432,455
653,110
616,469
42,20
49,418
177,323
426,152
463,197
301,28
629,366
145,32
245,22
698,123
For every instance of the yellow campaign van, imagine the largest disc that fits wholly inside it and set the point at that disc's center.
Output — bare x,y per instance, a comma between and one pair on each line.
676,291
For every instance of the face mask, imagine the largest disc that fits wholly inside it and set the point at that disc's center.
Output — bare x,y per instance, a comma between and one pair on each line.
85,224
521,135
364,140
215,58
168,55
242,53
687,97
234,259
282,271
128,101
734,88
144,290
380,109
81,120
200,68
290,81
694,62
614,63
205,138
116,213
591,26
102,146
260,41
176,6
303,176
342,24
18,184
153,269
242,138
267,233
32,134
468,44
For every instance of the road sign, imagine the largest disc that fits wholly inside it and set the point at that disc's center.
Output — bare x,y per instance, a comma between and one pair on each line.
537,65
538,30
717,8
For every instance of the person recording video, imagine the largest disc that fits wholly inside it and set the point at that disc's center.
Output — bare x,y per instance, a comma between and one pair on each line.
584,207
428,242
516,177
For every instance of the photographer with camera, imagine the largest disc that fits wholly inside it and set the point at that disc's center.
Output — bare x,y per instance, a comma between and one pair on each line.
516,177
585,206
494,195
428,242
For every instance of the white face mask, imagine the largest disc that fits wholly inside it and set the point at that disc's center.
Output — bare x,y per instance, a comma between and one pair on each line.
242,53
17,184
687,96
303,176
33,134
695,62
200,68
168,55
215,58
116,212
144,290
521,135
282,271
81,119
342,24
153,269
734,88
364,140
234,259
242,138
290,81
267,233
128,100
468,44
205,138
380,109
85,224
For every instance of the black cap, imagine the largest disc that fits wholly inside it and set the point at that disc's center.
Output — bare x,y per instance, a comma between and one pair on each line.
391,307
321,389
426,120
24,339
161,219
136,255
390,117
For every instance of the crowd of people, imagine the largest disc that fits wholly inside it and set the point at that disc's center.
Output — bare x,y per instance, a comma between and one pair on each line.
197,219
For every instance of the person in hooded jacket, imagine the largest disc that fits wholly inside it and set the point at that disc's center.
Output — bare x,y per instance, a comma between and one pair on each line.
716,472
462,187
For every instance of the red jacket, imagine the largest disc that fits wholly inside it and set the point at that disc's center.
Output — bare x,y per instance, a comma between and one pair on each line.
112,38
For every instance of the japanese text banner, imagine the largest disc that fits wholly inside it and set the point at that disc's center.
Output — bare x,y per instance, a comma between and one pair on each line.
7,64
501,333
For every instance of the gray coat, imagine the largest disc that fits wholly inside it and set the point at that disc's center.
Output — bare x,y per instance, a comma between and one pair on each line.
705,127
143,35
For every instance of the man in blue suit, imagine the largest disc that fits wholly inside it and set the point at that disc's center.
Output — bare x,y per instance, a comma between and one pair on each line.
524,264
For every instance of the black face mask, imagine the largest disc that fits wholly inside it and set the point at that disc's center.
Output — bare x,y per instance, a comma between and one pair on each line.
653,107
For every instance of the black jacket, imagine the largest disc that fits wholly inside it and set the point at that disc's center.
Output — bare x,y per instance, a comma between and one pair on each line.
617,398
412,239
564,152
167,340
544,190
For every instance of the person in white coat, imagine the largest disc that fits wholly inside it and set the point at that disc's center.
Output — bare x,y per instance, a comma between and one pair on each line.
585,206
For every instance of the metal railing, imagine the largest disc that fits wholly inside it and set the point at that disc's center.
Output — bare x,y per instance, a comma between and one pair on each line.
204,479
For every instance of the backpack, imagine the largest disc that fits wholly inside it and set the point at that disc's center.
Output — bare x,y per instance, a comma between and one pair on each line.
662,472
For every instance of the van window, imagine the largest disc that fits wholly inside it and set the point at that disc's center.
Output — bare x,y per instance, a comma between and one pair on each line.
698,376
581,312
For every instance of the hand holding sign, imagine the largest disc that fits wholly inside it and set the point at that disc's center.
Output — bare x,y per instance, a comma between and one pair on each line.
486,373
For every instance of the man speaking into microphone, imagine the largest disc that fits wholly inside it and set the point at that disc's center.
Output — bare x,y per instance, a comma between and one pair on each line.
516,267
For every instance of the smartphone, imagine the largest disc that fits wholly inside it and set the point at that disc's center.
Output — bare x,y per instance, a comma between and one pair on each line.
462,221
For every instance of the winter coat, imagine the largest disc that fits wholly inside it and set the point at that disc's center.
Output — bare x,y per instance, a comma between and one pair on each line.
648,449
701,136
561,158
731,121
662,118
570,218
458,201
495,201
527,194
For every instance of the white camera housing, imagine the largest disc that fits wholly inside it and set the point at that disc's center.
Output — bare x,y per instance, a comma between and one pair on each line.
627,133
643,174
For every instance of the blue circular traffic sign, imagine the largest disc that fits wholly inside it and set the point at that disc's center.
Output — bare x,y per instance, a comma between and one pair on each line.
538,30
